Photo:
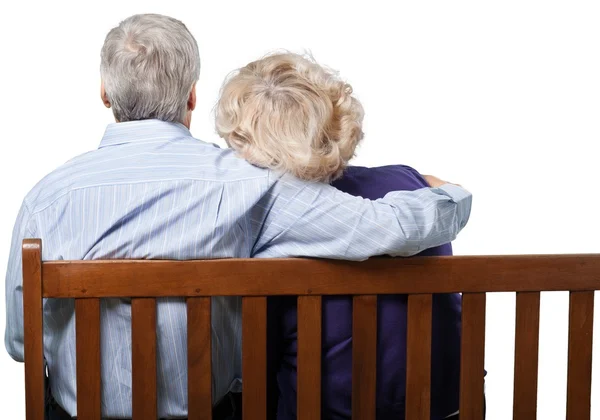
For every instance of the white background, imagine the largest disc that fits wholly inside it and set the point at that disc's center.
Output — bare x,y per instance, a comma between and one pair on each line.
501,97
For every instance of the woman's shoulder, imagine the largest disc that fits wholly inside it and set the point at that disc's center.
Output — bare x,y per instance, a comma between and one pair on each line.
389,177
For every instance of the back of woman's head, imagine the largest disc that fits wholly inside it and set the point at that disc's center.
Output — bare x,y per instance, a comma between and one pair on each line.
287,113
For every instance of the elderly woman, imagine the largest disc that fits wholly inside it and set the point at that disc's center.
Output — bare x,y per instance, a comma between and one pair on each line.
287,113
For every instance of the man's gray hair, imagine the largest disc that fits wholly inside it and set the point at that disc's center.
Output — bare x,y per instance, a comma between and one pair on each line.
149,64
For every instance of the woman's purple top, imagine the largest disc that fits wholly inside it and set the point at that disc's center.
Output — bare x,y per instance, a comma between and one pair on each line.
371,183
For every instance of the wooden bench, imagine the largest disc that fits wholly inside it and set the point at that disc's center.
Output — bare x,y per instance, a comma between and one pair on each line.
254,279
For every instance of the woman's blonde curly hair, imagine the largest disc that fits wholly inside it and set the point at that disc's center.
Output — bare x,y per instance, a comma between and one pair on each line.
287,113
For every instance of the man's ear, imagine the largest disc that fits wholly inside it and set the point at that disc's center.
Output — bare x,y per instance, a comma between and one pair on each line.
191,103
103,95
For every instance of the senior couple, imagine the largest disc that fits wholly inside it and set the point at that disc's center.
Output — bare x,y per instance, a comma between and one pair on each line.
282,189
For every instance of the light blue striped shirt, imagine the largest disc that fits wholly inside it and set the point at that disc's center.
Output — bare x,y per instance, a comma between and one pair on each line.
153,191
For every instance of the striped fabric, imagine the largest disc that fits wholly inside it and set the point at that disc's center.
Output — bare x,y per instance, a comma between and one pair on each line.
153,191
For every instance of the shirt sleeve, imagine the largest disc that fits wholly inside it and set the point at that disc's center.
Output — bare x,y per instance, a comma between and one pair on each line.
13,336
303,219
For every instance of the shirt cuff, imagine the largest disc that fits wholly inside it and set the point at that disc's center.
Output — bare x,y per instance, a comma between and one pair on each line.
461,197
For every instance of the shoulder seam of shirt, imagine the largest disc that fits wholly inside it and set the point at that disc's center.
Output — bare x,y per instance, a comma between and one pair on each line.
135,182
304,187
29,216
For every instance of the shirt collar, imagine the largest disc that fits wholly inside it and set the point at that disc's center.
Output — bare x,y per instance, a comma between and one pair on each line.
142,131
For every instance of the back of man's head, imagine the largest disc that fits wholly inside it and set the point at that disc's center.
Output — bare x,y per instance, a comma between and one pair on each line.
149,64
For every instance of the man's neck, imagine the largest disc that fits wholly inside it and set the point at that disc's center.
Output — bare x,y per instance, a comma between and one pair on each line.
187,121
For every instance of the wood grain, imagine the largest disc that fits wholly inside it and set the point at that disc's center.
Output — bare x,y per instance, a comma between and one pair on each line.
254,279
199,343
254,357
579,371
309,358
260,277
418,357
364,356
143,358
87,326
33,327
527,329
472,356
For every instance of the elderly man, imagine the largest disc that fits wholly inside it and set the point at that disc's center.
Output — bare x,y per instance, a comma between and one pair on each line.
151,190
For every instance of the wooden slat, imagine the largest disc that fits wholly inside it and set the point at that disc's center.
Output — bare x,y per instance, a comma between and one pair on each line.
33,328
579,376
309,358
472,356
258,277
87,326
527,328
254,357
143,358
418,357
364,356
199,359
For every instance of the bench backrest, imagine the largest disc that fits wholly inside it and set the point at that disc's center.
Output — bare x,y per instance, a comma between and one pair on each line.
255,279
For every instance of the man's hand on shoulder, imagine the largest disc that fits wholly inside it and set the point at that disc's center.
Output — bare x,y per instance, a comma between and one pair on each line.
435,182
